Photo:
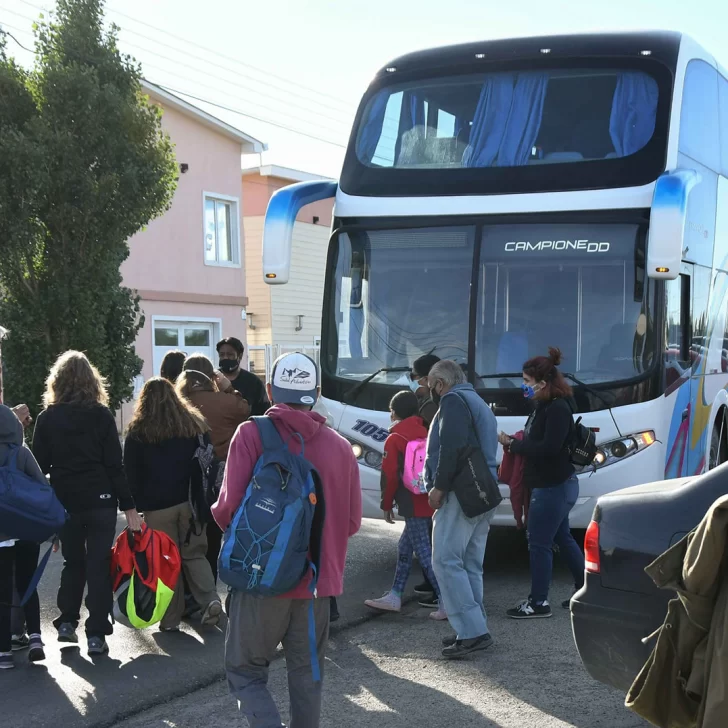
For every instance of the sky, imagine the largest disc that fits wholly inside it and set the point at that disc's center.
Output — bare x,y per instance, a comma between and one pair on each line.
297,69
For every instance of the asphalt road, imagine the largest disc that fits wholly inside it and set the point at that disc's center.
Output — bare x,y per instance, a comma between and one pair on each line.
384,671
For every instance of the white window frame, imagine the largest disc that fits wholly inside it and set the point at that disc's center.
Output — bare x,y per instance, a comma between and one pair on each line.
216,324
234,232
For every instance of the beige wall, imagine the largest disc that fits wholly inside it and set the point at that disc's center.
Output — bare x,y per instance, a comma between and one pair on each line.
303,294
259,292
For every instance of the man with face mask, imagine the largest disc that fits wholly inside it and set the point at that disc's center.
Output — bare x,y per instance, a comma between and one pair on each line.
418,384
231,352
458,549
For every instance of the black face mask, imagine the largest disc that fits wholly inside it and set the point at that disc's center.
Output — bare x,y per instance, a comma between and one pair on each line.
435,397
228,366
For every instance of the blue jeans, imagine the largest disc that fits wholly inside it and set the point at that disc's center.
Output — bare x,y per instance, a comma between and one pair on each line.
548,523
458,549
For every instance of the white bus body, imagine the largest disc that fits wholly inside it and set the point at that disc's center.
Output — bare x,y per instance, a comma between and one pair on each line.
631,245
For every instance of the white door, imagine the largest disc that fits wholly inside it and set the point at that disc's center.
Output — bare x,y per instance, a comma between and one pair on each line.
191,337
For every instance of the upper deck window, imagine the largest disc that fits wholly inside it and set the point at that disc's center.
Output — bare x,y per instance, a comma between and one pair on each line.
509,119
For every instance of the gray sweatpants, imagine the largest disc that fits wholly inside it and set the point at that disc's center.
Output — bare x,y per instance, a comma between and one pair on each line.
255,629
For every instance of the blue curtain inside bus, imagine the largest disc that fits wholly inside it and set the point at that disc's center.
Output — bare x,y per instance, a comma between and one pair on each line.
634,110
505,139
371,130
411,118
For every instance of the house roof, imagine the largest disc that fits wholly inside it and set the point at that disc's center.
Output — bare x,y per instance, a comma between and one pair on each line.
273,170
248,144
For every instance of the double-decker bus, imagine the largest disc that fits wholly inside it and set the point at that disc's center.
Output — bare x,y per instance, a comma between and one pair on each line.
502,197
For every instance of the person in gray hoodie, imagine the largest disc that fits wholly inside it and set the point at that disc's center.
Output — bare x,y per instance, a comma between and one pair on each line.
18,559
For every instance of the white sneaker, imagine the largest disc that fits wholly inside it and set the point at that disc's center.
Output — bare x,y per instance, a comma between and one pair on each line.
388,603
439,615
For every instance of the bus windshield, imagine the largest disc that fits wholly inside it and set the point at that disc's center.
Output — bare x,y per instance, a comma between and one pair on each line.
402,293
509,119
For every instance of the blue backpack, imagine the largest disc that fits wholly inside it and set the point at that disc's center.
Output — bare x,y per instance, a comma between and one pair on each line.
275,535
29,510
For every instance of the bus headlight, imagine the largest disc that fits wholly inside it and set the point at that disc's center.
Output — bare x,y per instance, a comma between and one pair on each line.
366,456
616,450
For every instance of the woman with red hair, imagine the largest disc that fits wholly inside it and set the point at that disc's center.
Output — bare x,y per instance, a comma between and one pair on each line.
550,475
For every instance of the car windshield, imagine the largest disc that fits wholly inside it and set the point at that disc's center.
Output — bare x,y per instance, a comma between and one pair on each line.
403,293
509,119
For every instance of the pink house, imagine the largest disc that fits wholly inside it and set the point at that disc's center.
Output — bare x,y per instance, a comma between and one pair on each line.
188,265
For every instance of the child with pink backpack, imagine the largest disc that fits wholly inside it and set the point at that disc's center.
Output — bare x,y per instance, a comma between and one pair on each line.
402,482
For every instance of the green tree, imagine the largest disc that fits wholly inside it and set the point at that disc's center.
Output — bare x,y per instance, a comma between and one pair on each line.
84,164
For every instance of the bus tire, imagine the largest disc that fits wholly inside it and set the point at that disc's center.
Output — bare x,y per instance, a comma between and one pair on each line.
718,449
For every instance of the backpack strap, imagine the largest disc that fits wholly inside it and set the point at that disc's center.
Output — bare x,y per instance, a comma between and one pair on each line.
269,435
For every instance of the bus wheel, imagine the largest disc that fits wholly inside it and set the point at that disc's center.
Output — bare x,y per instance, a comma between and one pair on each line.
718,454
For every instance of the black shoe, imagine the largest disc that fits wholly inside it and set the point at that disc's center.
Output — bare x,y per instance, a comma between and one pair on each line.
462,648
36,652
530,610
424,589
67,634
450,640
430,602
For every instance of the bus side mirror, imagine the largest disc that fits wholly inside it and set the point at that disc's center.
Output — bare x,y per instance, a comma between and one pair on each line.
668,217
280,217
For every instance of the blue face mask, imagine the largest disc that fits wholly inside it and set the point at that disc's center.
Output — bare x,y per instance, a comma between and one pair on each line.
414,385
528,391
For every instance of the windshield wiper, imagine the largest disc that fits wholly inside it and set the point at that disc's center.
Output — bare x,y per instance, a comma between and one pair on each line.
353,393
598,395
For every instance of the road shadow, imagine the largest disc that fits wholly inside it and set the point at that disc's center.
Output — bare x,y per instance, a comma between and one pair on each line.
112,688
367,694
533,662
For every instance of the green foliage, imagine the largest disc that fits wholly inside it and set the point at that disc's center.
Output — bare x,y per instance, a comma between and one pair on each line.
84,164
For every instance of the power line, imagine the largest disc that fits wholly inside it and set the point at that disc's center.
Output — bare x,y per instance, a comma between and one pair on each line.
232,59
238,111
249,116
10,35
344,125
233,83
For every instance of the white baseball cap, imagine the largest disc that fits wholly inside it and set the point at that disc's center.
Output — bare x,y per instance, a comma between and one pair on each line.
294,379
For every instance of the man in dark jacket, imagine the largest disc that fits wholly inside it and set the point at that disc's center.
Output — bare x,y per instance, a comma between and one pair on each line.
231,352
459,542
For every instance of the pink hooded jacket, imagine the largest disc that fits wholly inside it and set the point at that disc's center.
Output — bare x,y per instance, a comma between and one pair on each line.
332,456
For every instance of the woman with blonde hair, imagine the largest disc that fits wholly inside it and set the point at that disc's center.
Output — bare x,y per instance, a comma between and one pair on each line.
76,442
158,456
225,410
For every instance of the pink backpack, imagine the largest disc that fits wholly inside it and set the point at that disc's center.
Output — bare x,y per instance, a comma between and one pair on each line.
414,466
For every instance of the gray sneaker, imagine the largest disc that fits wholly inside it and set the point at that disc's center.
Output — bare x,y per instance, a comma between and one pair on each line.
67,633
97,646
211,615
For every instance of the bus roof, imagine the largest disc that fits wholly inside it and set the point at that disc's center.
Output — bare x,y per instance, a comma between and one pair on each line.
662,45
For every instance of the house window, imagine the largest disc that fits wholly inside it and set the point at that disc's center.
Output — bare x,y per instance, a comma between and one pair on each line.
191,337
222,237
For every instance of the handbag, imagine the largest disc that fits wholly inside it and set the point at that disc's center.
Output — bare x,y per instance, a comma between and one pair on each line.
474,485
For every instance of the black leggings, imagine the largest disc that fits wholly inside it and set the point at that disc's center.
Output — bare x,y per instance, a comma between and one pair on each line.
22,559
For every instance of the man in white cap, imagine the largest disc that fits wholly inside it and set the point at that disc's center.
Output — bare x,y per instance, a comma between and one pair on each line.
258,625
